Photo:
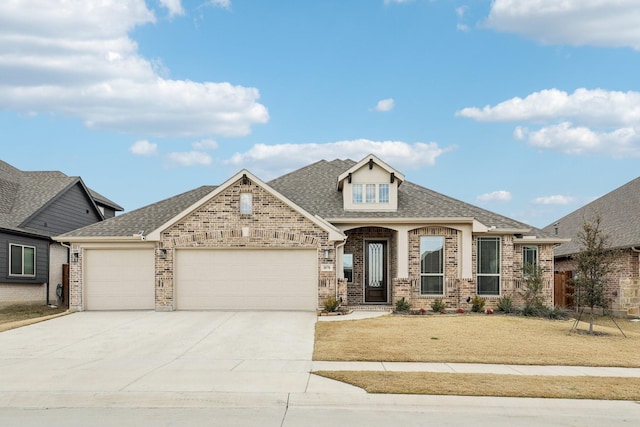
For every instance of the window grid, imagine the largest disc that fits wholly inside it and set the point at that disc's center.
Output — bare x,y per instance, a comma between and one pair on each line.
383,193
488,266
357,193
432,265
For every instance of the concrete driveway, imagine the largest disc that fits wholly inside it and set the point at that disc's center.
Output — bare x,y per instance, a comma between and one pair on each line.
102,352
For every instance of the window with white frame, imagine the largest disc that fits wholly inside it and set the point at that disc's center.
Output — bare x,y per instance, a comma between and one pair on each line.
22,260
383,193
432,265
246,203
357,193
370,193
488,266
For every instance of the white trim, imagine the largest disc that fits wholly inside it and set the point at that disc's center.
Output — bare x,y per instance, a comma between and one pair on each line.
35,264
398,175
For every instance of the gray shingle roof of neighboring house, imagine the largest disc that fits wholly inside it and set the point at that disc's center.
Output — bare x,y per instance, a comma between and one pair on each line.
24,193
145,219
314,189
619,211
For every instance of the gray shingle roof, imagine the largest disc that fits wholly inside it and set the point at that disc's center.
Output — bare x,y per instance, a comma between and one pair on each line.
313,188
23,193
145,219
619,211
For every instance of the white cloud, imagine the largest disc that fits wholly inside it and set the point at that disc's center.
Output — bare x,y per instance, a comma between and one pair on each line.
495,196
174,7
580,140
396,1
269,161
144,148
574,22
76,59
222,4
595,106
584,122
205,144
461,11
385,105
553,200
191,158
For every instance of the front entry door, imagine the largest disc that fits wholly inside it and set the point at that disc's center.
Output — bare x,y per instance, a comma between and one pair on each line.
375,271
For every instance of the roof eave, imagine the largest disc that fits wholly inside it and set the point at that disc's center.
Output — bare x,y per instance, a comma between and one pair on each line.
540,240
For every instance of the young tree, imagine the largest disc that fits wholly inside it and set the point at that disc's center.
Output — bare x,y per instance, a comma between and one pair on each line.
532,289
594,262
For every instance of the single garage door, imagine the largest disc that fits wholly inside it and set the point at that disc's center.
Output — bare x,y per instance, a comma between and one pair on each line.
119,279
252,279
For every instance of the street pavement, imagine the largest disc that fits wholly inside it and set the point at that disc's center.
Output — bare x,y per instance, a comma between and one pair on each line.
236,368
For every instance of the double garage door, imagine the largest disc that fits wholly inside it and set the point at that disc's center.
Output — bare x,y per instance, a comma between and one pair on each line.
204,279
246,279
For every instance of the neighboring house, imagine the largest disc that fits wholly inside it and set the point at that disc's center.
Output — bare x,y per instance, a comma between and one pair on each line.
33,207
619,212
355,230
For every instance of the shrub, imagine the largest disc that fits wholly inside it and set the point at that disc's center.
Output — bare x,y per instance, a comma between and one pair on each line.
532,285
331,304
505,304
533,310
403,305
438,305
557,313
477,304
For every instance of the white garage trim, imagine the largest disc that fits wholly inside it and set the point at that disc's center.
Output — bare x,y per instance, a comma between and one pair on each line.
251,279
119,279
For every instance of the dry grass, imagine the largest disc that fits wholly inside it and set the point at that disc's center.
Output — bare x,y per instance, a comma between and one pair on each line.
606,388
14,316
477,339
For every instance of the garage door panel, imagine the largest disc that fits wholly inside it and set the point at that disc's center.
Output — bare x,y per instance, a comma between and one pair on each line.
118,279
246,279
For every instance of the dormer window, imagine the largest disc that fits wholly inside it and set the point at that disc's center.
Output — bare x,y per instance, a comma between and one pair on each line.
370,185
373,193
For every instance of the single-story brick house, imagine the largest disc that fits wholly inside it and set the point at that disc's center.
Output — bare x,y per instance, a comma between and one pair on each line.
620,222
354,230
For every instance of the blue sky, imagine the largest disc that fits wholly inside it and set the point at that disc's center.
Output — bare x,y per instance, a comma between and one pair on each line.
529,108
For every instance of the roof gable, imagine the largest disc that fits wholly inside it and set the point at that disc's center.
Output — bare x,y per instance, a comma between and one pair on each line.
369,162
25,195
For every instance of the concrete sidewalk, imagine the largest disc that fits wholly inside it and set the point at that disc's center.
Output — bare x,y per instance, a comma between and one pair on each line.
479,368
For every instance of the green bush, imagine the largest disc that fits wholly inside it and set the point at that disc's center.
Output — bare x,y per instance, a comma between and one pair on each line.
438,305
331,304
477,304
505,304
403,305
